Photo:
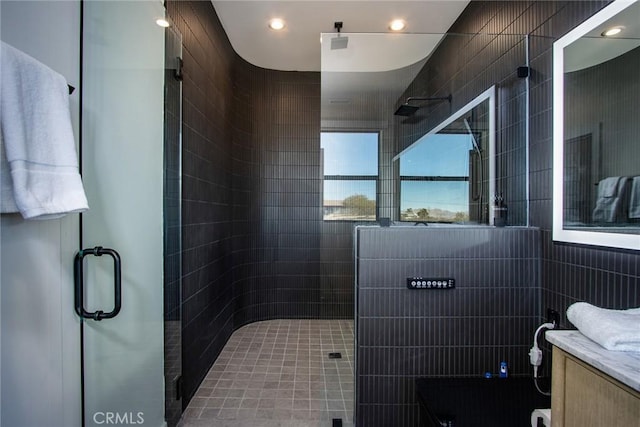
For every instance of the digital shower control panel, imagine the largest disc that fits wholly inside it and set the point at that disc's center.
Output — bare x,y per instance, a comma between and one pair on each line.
430,283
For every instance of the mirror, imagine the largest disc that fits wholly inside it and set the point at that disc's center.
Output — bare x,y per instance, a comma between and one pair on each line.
448,174
596,137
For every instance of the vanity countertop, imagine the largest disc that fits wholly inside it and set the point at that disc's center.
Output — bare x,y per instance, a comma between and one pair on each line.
621,365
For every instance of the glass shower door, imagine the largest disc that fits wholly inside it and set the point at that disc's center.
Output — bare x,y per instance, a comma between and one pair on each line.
173,227
122,164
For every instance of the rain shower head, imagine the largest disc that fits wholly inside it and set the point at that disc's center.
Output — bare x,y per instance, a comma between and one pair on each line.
408,110
339,42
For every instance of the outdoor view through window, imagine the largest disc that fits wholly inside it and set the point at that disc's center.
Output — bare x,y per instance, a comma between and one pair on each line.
350,162
434,179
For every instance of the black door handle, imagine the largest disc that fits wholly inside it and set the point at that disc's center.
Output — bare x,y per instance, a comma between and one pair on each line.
79,283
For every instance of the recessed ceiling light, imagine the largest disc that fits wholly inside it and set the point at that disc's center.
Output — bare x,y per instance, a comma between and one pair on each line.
276,24
162,22
612,31
397,25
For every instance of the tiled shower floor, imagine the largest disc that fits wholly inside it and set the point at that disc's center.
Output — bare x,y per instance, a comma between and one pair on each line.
277,373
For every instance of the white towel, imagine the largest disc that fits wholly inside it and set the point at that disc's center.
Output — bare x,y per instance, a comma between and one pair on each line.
608,187
617,330
38,138
7,202
612,200
634,199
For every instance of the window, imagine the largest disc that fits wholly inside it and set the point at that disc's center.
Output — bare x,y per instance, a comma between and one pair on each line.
350,162
448,174
434,179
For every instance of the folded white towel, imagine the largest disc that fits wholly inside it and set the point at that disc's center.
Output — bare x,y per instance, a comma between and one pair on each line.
38,137
634,199
7,202
617,330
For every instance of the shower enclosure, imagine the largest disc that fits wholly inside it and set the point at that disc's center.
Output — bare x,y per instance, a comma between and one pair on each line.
457,140
173,226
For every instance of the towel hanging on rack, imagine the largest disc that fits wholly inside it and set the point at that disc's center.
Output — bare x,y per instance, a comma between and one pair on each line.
634,202
38,139
612,200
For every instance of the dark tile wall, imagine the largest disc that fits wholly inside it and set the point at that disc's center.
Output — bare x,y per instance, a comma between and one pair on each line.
601,276
604,277
254,244
285,265
207,189
404,334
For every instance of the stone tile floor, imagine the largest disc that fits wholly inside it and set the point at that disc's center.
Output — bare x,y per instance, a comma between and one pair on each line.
278,373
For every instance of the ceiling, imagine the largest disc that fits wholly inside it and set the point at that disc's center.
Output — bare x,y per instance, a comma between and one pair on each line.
361,83
298,47
593,49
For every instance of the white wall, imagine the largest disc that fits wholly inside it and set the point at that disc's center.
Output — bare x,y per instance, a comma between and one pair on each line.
40,338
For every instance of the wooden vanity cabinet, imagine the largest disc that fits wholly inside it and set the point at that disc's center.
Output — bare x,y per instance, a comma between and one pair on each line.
582,396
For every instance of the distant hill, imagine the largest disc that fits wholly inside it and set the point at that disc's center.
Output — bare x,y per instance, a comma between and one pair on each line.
435,214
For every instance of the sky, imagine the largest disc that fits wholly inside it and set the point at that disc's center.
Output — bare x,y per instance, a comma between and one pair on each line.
350,153
436,155
433,155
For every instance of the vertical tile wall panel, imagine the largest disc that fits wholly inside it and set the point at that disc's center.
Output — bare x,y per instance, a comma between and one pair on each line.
563,281
207,294
604,277
282,269
568,273
404,334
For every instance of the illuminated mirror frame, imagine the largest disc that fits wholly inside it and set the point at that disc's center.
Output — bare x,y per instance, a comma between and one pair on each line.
490,95
598,238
